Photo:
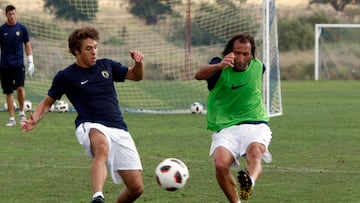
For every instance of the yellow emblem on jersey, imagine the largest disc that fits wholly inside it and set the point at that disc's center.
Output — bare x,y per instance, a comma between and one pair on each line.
105,74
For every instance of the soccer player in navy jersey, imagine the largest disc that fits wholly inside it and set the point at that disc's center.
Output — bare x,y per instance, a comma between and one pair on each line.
13,36
100,128
236,114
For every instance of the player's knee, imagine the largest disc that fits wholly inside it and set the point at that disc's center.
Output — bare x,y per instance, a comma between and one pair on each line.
100,151
221,166
255,151
136,190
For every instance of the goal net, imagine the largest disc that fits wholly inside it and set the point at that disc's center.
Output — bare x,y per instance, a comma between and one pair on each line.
337,51
176,37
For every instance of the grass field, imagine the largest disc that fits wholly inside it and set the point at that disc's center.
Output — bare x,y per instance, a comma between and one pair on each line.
315,148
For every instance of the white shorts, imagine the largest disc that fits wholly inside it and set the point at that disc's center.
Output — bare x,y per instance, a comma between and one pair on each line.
122,150
237,138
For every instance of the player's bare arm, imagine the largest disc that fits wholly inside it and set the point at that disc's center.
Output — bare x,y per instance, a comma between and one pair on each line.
41,110
136,72
208,70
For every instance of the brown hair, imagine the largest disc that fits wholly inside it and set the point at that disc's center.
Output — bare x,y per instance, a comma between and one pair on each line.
9,8
243,38
79,35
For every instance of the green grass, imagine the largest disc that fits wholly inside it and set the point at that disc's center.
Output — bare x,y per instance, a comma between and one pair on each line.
315,150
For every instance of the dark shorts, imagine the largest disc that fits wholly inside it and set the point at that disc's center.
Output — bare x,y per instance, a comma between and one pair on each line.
12,78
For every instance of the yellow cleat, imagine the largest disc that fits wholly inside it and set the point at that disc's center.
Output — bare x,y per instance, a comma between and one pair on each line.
246,185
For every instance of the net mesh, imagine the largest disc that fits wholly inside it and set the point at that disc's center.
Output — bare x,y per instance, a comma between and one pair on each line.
339,53
175,43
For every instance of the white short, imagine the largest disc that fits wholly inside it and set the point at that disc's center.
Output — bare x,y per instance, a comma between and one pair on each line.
122,153
237,138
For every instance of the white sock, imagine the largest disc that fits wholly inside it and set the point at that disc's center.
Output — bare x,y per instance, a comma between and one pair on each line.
21,113
98,194
12,118
253,181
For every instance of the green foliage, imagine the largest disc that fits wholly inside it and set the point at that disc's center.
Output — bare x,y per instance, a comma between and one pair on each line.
69,9
207,34
338,5
150,11
298,33
298,72
199,36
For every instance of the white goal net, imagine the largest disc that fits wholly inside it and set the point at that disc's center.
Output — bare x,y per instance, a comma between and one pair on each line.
176,37
337,51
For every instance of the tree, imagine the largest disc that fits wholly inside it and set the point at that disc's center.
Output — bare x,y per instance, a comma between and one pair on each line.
150,10
338,5
75,10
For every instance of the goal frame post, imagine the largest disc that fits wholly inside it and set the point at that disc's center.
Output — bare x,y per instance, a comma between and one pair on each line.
270,22
318,30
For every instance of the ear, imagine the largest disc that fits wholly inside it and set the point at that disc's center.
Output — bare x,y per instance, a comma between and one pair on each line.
77,52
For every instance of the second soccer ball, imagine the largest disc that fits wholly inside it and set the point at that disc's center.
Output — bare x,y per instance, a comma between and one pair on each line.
196,107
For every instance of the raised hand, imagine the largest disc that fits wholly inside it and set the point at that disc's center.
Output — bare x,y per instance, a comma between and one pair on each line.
137,56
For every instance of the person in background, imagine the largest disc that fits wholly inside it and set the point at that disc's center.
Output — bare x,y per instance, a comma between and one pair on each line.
100,128
13,36
236,115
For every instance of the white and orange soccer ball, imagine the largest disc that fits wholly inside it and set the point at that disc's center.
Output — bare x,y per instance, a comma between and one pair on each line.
172,174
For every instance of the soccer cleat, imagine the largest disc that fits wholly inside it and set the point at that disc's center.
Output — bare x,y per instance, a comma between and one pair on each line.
22,118
246,185
11,123
98,199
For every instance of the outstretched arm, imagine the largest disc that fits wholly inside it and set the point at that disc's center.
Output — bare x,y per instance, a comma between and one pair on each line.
137,71
41,110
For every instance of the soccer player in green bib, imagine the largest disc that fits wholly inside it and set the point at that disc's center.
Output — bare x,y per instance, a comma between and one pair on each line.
237,116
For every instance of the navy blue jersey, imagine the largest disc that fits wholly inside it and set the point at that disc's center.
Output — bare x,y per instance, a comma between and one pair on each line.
12,39
92,92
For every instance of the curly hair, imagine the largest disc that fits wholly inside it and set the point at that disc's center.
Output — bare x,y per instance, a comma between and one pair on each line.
243,38
79,35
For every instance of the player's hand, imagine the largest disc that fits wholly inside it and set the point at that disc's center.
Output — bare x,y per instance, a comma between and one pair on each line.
228,60
29,124
137,56
31,67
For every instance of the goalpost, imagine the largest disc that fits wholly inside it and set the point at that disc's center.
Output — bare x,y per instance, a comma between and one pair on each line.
175,45
337,52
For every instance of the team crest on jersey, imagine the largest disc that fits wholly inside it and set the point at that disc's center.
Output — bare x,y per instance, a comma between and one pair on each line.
17,33
105,74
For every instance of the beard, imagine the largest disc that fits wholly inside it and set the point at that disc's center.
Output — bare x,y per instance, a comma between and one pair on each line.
240,67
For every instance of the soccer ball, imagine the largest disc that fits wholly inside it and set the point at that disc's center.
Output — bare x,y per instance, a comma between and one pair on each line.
62,106
172,174
6,106
196,107
52,108
27,105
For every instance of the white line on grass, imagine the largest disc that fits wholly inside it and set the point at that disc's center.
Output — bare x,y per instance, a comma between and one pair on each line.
307,170
269,168
24,166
